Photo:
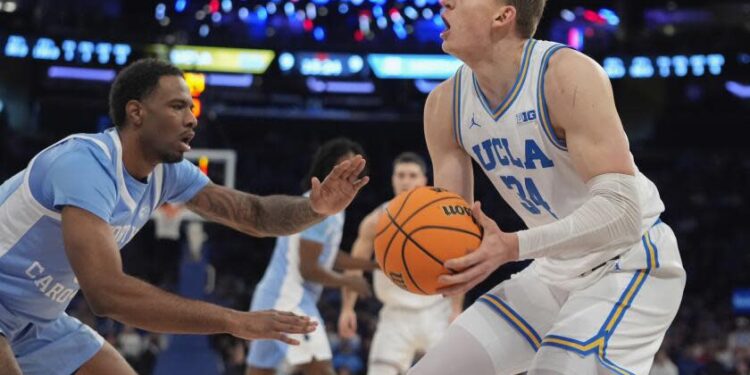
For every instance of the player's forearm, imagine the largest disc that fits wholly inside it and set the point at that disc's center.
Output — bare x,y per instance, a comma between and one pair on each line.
276,215
319,275
280,215
611,218
348,299
134,302
345,261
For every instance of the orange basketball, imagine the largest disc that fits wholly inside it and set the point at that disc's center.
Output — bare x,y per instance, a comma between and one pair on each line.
419,231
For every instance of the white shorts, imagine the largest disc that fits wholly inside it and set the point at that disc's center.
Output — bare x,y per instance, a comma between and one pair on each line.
611,320
402,332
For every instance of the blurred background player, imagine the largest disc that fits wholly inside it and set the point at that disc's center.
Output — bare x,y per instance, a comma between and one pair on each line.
301,266
408,323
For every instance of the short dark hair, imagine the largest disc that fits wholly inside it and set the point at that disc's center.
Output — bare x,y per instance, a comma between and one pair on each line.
411,157
528,15
136,82
327,156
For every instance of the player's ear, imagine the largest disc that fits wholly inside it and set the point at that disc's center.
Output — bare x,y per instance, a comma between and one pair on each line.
134,112
504,15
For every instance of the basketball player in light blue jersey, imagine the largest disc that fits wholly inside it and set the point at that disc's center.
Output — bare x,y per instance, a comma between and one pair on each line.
64,218
540,120
301,265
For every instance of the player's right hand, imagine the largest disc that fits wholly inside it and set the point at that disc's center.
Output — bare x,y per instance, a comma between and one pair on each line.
347,323
358,284
270,324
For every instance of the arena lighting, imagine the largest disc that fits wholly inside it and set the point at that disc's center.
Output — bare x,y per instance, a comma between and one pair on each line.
84,74
425,86
70,50
229,80
738,89
196,83
216,59
390,66
741,300
641,67
339,87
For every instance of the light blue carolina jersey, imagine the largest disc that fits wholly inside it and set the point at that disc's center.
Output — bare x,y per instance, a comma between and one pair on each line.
282,286
85,171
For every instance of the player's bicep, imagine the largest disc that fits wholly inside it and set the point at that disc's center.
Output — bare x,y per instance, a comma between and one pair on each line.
452,168
91,250
581,102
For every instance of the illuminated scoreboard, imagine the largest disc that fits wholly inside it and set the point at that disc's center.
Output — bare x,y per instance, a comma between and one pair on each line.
86,52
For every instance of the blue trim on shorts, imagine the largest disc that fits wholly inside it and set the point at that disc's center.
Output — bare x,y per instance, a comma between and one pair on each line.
525,329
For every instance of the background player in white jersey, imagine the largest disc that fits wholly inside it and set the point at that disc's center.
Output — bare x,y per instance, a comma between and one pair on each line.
64,218
540,120
408,323
300,267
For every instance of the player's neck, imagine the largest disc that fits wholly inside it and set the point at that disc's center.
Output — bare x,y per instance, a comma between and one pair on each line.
497,70
134,158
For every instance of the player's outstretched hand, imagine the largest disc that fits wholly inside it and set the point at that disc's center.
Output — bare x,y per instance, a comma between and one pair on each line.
347,323
496,249
338,188
270,324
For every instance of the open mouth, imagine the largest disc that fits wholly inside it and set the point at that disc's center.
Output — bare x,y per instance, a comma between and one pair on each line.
185,140
447,24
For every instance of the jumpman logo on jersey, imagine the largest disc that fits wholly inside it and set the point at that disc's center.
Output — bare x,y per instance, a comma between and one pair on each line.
474,122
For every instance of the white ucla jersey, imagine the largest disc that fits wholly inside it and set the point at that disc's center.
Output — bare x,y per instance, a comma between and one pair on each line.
282,285
529,165
392,295
86,171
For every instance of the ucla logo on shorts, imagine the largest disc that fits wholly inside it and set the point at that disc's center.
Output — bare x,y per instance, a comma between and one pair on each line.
524,117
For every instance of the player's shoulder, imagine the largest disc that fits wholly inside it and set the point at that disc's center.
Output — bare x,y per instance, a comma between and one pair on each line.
442,93
79,151
568,65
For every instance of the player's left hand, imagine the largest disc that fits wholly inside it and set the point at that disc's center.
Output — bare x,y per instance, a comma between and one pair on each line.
338,188
496,249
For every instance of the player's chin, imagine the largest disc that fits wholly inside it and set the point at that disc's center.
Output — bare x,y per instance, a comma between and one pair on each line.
172,157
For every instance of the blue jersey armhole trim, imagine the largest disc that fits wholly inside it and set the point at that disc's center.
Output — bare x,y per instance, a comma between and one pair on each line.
456,106
542,101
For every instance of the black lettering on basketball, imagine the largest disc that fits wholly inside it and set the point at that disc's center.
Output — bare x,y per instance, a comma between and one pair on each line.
397,279
456,210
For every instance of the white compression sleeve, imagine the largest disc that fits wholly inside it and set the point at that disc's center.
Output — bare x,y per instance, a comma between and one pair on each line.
611,217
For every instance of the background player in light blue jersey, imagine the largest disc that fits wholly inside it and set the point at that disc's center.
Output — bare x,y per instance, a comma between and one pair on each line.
64,218
301,265
540,120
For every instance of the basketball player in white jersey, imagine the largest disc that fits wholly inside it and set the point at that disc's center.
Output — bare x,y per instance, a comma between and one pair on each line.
408,323
301,265
65,217
606,278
